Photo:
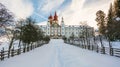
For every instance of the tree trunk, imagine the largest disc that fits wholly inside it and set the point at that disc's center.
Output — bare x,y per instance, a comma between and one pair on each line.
19,43
110,47
11,43
103,48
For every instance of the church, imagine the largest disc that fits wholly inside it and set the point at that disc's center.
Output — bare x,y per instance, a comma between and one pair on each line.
56,30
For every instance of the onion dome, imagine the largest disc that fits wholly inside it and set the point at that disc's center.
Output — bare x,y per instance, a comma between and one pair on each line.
50,17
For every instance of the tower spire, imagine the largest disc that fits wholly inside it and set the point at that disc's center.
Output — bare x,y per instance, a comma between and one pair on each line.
50,17
62,19
55,17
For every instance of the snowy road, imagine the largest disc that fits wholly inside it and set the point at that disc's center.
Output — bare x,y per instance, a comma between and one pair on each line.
58,54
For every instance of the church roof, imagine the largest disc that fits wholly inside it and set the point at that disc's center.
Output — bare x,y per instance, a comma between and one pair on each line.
55,17
50,17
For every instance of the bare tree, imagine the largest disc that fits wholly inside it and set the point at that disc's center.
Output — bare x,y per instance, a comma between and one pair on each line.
6,19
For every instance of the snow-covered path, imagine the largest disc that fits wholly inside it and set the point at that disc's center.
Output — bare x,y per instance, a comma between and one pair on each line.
58,54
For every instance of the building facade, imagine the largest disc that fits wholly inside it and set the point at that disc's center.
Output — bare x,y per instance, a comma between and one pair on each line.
56,30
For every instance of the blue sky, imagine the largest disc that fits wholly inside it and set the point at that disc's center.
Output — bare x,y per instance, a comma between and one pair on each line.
73,11
40,13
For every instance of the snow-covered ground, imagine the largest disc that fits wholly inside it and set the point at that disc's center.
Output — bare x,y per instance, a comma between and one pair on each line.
4,43
59,54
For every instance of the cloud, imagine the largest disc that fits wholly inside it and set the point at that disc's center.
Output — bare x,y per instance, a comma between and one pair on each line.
50,5
21,8
42,23
84,10
40,16
94,3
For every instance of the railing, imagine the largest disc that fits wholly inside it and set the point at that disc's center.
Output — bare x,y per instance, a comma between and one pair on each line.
96,48
13,52
116,52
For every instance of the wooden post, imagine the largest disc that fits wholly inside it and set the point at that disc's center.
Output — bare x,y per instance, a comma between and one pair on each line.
2,54
97,49
27,48
111,52
88,47
12,52
31,47
103,50
92,47
85,46
19,51
24,49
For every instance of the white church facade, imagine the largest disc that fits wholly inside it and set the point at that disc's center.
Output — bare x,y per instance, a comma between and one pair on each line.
56,30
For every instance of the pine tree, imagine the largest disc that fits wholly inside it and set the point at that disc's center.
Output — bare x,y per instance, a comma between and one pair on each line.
116,19
113,21
116,8
101,21
110,24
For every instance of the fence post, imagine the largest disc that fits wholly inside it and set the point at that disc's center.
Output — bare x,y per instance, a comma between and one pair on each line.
88,47
103,50
97,49
27,48
82,46
2,54
111,52
85,46
35,45
24,49
12,52
31,47
92,47
19,51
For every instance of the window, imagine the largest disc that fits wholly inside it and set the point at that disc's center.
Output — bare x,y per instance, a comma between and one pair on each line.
76,32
